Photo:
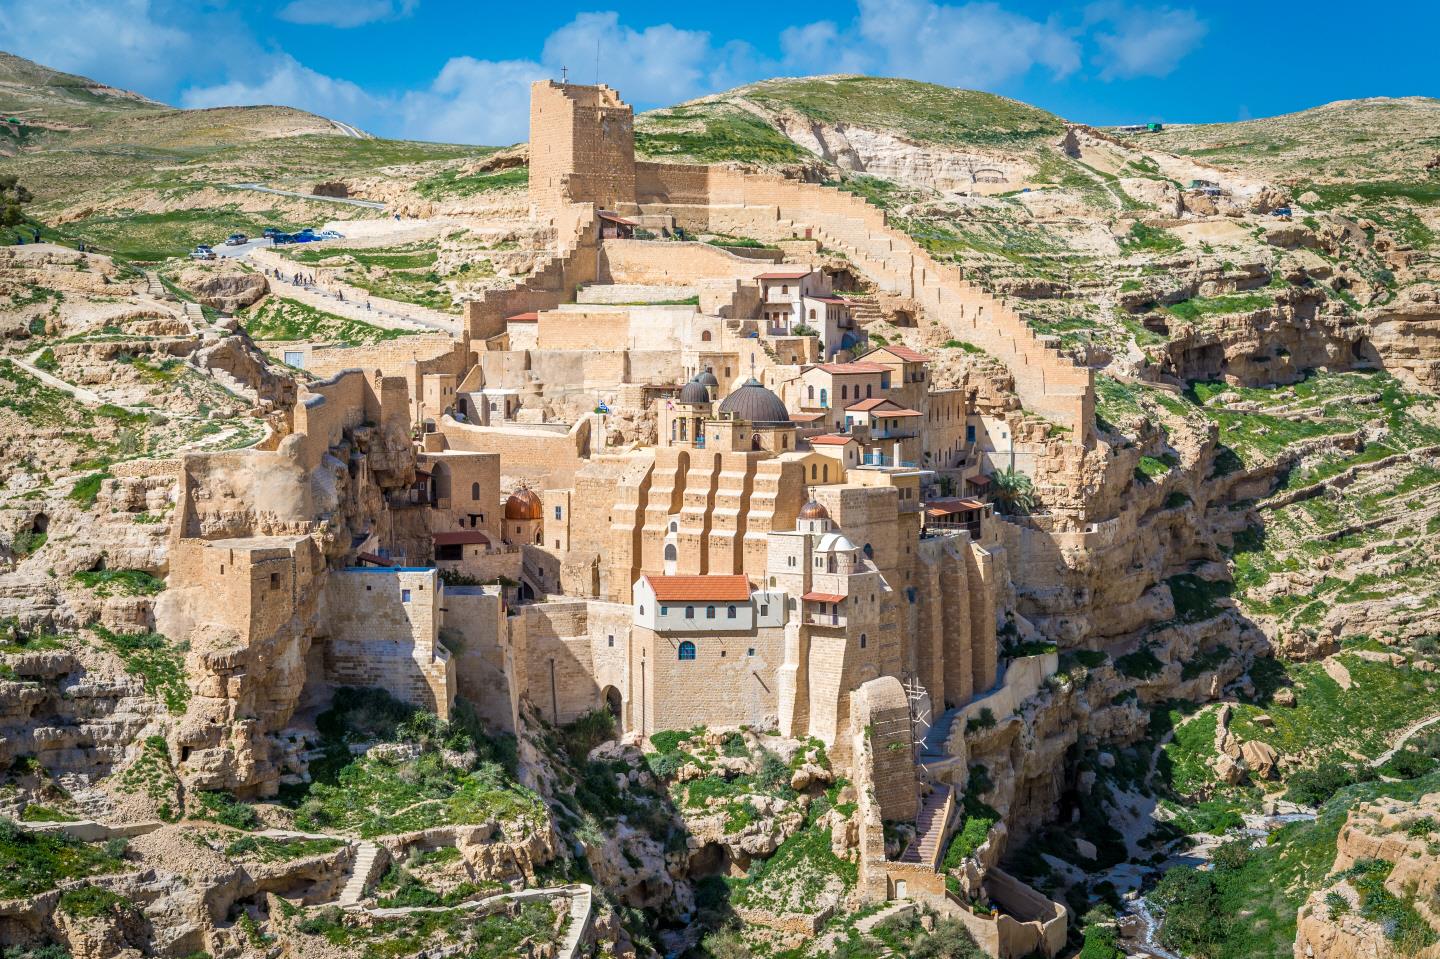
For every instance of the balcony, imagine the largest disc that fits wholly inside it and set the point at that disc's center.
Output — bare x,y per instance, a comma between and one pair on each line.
886,462
831,620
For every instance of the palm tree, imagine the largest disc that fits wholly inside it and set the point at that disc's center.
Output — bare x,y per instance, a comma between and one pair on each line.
1012,492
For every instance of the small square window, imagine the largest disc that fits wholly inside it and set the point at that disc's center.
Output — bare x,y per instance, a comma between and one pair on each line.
557,512
750,651
404,595
764,609
610,640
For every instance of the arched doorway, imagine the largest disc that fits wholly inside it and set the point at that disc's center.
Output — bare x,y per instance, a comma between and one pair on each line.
613,703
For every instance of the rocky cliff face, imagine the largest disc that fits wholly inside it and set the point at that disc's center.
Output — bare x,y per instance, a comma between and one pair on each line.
1380,898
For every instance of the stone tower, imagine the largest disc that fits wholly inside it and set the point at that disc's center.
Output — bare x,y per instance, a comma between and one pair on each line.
582,148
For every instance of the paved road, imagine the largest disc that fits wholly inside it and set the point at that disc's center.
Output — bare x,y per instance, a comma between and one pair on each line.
350,131
261,188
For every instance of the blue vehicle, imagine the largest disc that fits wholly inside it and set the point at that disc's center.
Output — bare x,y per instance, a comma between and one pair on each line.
1280,211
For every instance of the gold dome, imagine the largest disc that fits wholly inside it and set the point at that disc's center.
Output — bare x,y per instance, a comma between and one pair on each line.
813,510
523,504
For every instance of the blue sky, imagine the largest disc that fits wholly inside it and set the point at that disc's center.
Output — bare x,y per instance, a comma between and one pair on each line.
459,71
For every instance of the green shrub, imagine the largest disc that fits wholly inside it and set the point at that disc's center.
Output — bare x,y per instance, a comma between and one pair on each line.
121,582
87,489
669,740
225,809
89,902
151,656
1141,664
985,719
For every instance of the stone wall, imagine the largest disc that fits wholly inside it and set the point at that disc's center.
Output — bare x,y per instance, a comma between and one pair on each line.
767,207
543,457
381,628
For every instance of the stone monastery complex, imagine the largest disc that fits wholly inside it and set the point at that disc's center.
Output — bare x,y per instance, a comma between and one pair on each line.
800,541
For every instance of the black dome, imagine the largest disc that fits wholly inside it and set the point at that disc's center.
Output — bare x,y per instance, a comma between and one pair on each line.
694,393
706,378
755,404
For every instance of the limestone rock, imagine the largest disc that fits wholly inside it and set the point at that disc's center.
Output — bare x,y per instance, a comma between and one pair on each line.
1260,758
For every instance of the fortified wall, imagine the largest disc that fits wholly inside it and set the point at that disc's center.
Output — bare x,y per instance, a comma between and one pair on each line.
710,198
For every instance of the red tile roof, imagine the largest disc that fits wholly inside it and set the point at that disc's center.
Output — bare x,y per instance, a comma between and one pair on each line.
785,275
681,589
829,299
463,537
876,405
523,318
831,439
904,353
374,560
945,507
613,218
823,598
851,368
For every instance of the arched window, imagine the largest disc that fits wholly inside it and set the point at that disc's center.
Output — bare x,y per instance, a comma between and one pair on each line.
814,471
844,391
812,312
705,337
862,640
825,472
687,650
810,392
824,396
869,553
784,288
709,612
689,612
730,612
670,554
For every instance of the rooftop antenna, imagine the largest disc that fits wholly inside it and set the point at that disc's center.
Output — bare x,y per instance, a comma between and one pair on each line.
752,364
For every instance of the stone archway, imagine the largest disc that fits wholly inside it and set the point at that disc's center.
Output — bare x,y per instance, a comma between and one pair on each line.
613,704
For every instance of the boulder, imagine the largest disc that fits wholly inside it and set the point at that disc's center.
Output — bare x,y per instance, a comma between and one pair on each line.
1260,758
224,287
1284,697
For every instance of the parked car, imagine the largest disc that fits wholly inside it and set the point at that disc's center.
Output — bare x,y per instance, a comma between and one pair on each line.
202,252
329,235
270,231
279,238
303,237
236,239
1281,211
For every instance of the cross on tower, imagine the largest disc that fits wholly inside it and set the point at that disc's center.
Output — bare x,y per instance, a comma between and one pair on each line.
564,74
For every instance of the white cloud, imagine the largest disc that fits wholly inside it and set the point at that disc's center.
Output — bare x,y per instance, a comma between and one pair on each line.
1144,42
118,42
472,101
977,44
345,13
287,82
660,63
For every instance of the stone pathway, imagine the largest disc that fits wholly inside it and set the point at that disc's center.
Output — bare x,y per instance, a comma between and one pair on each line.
1405,737
361,872
348,201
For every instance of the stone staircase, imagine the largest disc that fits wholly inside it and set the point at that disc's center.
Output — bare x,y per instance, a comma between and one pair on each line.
194,313
1048,382
930,828
575,933
865,311
933,748
367,856
155,288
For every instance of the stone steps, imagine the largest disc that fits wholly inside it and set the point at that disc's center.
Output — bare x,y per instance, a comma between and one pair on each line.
361,872
930,825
